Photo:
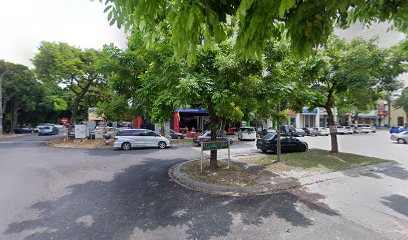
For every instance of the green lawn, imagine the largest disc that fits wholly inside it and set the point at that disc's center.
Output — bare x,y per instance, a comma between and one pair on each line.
316,158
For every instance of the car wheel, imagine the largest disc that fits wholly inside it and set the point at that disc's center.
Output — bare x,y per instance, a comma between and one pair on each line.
179,137
401,141
162,145
126,146
264,150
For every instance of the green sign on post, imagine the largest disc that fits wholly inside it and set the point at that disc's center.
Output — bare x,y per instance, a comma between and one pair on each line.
214,145
205,146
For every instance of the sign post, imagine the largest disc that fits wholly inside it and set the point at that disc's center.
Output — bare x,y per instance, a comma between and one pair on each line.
215,145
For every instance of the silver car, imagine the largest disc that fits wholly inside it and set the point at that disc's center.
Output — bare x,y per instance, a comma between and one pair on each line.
134,138
401,137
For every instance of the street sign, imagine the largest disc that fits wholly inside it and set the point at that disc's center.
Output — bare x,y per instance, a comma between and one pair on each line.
205,146
81,131
214,145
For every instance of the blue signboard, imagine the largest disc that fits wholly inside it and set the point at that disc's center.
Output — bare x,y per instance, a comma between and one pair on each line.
191,111
306,111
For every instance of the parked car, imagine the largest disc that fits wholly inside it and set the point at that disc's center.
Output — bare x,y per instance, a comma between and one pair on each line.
206,137
344,130
287,130
288,143
398,129
322,131
364,128
401,137
310,131
232,131
300,132
133,138
60,127
21,130
47,130
266,131
340,130
247,133
43,124
175,135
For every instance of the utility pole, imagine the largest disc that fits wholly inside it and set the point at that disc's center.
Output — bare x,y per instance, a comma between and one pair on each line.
278,145
1,100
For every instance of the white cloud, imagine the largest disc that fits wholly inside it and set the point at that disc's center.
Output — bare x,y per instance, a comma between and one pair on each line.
25,23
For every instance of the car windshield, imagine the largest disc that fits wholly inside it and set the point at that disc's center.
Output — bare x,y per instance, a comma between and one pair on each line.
268,136
45,127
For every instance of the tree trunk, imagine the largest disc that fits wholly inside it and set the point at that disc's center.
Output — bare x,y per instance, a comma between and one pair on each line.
213,126
355,118
14,115
74,113
278,142
333,135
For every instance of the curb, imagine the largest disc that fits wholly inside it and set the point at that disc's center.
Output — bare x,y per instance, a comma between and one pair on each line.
287,184
176,175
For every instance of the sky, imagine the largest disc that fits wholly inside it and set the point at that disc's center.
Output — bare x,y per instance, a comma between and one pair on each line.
25,23
82,23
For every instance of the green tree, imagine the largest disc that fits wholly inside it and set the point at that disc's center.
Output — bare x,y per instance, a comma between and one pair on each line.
306,24
21,93
402,101
222,83
342,73
72,67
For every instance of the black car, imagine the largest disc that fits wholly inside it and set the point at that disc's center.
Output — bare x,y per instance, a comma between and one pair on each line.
175,135
288,143
206,137
21,130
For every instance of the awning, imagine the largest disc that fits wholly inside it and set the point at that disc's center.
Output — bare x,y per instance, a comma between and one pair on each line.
191,111
373,117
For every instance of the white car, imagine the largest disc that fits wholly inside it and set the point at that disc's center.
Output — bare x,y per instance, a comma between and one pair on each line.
341,130
133,138
247,133
401,137
364,128
344,130
322,131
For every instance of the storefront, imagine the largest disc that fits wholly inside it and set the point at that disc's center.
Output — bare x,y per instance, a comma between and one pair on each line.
189,119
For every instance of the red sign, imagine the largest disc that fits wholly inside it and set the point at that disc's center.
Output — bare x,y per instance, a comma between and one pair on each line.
64,121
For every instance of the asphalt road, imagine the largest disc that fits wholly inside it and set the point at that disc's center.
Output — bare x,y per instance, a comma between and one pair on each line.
54,193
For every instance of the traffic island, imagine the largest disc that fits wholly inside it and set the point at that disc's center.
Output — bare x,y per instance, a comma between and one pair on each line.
84,144
260,174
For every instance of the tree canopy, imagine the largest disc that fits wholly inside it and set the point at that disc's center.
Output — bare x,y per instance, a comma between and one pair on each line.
402,101
76,69
306,24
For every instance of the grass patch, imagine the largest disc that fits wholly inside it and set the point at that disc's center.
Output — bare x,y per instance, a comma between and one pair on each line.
238,175
315,158
262,169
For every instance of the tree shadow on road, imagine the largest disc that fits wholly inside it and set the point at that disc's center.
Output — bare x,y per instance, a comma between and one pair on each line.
391,169
142,198
397,202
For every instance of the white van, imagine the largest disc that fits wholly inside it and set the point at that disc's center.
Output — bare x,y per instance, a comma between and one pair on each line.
133,138
247,133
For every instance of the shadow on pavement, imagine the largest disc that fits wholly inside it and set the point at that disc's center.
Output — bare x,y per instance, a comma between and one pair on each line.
142,198
392,169
398,203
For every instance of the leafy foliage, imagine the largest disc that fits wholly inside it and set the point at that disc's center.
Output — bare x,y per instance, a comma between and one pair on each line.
74,68
402,101
307,24
24,98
